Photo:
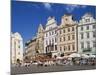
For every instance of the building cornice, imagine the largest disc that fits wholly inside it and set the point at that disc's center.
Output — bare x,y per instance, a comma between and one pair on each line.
50,24
86,24
50,29
66,26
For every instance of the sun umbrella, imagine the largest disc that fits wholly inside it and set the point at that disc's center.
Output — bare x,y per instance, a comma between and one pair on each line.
74,55
84,56
92,56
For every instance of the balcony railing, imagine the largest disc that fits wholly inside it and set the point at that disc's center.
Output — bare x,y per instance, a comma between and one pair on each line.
87,49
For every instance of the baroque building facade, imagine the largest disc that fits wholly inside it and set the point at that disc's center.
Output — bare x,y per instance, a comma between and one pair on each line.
87,34
16,48
67,39
64,39
50,36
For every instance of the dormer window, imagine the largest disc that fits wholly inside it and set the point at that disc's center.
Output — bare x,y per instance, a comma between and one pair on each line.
87,20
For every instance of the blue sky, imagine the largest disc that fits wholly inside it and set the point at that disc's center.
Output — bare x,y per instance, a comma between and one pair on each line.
26,16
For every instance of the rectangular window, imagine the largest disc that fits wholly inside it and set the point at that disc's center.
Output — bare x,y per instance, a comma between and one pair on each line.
73,47
94,26
64,38
94,34
82,36
49,33
73,37
81,28
72,28
64,31
88,35
82,44
52,40
60,48
87,27
60,39
49,42
88,44
55,47
68,29
64,48
69,47
68,37
94,44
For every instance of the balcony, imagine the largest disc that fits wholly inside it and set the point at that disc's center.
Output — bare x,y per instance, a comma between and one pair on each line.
87,49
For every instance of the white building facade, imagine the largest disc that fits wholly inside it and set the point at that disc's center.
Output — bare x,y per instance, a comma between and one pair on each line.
16,48
50,36
87,35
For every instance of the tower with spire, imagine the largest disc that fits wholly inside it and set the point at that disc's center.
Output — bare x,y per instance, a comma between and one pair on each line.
40,39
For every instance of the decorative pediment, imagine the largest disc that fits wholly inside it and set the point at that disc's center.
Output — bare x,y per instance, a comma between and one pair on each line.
50,20
17,36
67,20
86,19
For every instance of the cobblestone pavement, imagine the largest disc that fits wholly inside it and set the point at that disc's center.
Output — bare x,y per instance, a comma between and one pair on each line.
41,69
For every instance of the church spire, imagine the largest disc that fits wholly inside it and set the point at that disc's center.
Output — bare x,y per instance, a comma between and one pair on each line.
40,29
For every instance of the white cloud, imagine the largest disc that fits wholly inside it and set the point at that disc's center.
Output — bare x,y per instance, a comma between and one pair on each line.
37,6
47,6
71,8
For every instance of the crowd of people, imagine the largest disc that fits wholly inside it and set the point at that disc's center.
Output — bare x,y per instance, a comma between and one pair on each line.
49,61
66,61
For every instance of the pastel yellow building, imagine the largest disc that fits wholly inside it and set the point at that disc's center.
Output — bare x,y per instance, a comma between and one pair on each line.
67,39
